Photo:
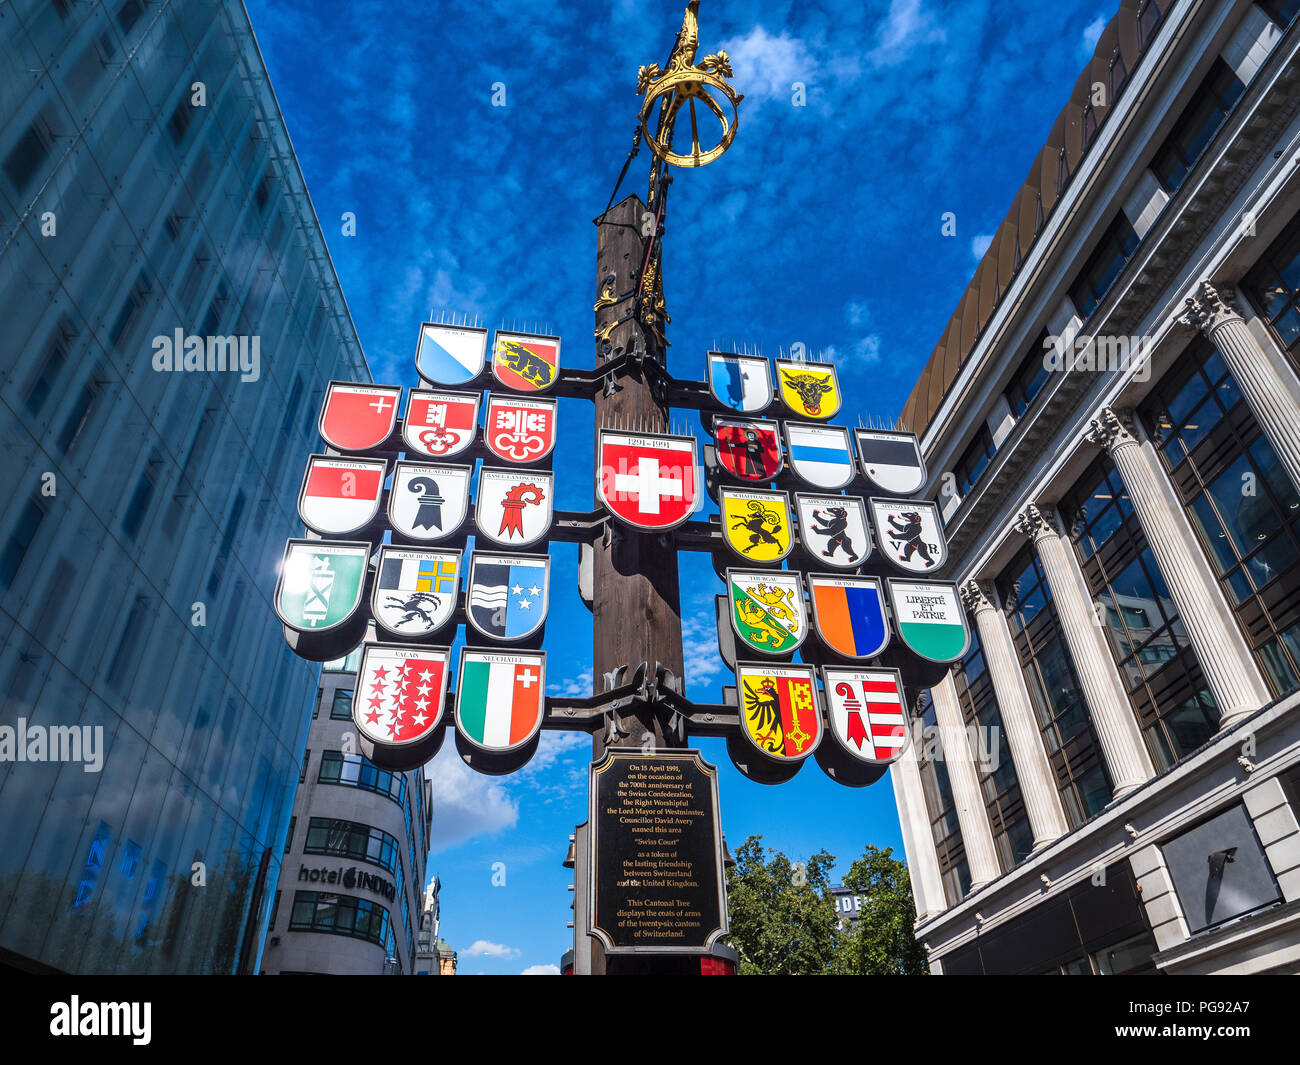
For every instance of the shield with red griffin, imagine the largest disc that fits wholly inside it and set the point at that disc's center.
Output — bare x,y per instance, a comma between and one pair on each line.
514,507
519,429
439,424
867,712
750,450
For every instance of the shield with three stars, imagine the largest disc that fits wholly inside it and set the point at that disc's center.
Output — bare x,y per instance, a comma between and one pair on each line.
399,694
778,709
508,594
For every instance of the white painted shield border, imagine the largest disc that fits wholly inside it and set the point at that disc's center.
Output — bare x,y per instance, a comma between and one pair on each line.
861,460
391,390
362,545
524,399
392,496
880,535
797,364
756,359
961,613
864,579
517,473
511,334
379,568
810,548
482,358
766,576
775,426
734,490
374,511
377,645
848,451
805,672
696,473
460,676
843,744
500,557
413,447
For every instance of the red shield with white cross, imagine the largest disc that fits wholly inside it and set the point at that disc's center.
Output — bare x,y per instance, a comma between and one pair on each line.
520,430
440,423
649,481
399,693
358,417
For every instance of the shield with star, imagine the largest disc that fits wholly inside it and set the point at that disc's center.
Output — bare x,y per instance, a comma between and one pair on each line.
500,698
358,417
767,610
513,507
399,693
428,502
778,710
867,714
509,595
756,525
519,429
810,389
340,496
415,590
526,362
750,450
647,480
439,424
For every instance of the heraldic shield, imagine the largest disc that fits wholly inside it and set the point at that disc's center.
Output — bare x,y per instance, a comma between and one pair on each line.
400,692
810,389
756,525
767,610
778,710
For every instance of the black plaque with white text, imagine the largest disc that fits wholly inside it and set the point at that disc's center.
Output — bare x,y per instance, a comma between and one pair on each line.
656,878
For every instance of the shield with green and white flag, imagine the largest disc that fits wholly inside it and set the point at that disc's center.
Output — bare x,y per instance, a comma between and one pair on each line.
500,697
320,583
929,618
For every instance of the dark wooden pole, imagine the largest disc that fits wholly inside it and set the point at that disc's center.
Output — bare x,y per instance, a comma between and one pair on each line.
637,604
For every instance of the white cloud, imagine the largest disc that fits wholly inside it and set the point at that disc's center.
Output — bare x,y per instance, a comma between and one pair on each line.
905,27
576,687
767,66
466,804
980,244
1091,34
541,970
481,948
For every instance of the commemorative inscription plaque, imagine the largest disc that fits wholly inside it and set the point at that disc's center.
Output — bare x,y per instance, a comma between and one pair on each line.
656,881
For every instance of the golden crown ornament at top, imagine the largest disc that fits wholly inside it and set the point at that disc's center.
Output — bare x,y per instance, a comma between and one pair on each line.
684,84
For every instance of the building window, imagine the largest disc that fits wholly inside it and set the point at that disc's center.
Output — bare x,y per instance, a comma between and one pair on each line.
79,415
1148,20
942,810
306,761
138,506
1030,378
1196,127
288,839
349,839
1012,835
1273,285
975,460
29,154
352,770
341,915
1281,11
56,356
20,539
1161,673
1239,500
341,707
1063,720
1106,263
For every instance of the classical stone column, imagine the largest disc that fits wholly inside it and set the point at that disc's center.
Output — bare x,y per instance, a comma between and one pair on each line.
918,837
1024,738
1112,716
1213,310
981,856
1225,659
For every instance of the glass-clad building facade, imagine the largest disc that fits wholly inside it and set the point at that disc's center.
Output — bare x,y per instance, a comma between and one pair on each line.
150,202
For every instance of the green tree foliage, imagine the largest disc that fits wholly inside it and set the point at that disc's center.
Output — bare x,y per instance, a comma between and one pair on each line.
784,920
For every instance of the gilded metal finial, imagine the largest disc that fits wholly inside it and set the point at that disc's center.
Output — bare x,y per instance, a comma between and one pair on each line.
684,84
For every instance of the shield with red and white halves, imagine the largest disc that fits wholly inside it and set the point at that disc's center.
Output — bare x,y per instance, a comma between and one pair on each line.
867,712
439,424
518,429
647,480
750,450
399,693
778,710
358,417
340,496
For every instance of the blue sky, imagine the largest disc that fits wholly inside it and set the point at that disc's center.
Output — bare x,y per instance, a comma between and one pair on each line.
821,226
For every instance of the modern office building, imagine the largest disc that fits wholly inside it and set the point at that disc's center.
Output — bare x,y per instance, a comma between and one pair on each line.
1111,422
352,890
150,200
